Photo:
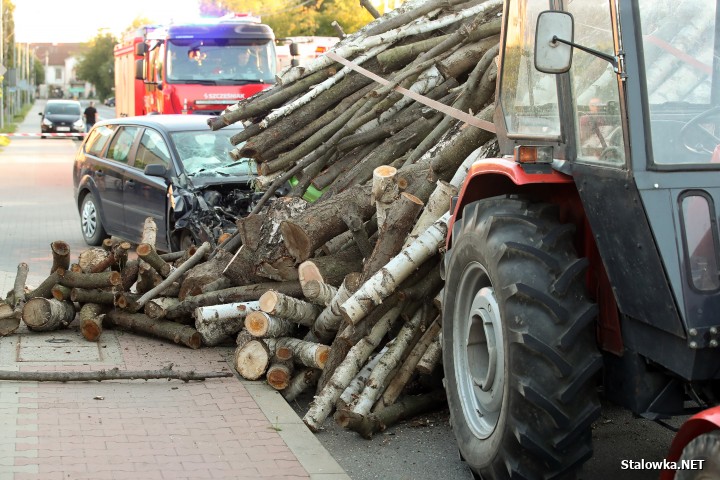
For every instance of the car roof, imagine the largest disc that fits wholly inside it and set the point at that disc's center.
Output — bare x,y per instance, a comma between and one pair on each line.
70,102
169,122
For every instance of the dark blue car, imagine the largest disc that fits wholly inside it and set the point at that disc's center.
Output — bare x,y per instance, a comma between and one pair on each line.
172,168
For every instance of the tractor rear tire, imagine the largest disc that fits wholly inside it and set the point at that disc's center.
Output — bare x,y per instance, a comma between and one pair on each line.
519,351
706,448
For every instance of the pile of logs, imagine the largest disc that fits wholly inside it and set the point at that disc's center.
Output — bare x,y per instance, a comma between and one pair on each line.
341,293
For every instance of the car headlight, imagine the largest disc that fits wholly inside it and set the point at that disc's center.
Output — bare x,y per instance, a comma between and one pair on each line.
78,124
47,122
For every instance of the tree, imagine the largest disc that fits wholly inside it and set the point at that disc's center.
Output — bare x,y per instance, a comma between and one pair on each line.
302,17
97,64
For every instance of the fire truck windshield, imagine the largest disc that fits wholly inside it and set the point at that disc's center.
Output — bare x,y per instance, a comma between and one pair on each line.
220,61
681,51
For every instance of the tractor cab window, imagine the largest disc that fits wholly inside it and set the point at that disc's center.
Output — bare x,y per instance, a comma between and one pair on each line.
528,97
682,80
595,87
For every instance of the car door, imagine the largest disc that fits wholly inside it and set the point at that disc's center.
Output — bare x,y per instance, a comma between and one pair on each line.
147,196
118,155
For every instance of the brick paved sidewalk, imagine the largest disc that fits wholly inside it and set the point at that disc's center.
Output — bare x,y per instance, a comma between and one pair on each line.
158,429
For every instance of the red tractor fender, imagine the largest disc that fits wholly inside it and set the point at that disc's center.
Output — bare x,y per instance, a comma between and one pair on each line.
703,422
491,177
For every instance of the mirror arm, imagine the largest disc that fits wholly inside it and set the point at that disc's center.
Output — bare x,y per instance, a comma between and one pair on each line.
613,60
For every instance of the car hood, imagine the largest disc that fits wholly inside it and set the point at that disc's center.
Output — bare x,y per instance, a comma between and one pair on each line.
63,118
203,181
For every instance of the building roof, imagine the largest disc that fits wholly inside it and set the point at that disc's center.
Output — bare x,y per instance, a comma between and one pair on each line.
57,53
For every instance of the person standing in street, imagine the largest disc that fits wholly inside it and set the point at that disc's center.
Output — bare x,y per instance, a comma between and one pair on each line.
90,116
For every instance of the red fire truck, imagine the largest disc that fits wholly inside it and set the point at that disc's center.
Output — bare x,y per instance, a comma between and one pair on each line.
199,67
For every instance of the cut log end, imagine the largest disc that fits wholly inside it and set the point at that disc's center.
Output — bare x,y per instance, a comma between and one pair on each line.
321,356
267,301
297,242
257,324
252,359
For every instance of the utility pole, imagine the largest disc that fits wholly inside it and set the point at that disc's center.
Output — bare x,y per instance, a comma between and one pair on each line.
2,62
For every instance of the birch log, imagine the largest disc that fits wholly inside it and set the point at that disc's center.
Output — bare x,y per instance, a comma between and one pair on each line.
329,320
431,357
157,307
319,293
252,359
218,323
400,267
309,354
138,322
263,325
437,205
302,380
281,369
384,191
400,379
377,381
284,306
324,402
358,383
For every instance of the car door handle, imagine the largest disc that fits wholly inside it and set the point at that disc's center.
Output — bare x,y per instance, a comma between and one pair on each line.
100,173
130,183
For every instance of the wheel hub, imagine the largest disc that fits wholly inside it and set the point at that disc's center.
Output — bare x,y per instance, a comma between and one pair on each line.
479,352
89,219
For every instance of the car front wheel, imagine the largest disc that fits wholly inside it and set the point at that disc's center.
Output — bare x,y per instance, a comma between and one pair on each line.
90,223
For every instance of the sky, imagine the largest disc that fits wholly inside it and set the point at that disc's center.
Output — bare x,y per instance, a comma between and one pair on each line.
77,21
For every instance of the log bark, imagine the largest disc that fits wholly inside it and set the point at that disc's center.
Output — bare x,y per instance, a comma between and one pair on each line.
321,222
42,315
302,380
89,280
249,230
191,262
384,191
392,233
408,407
401,378
386,280
220,323
147,253
310,354
319,293
377,382
157,307
431,357
129,274
284,306
263,325
236,294
358,383
327,323
103,297
140,323
112,374
60,292
332,269
9,321
437,205
60,254
200,273
149,232
324,402
91,321
44,290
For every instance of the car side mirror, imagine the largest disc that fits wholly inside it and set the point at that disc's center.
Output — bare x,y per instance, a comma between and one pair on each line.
156,170
40,113
552,52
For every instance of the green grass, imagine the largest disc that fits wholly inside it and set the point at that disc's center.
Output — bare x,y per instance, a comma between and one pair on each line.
11,125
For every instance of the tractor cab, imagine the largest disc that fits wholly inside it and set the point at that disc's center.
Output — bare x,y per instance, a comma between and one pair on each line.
588,252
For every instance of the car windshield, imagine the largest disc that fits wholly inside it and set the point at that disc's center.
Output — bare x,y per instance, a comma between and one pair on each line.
65,109
207,153
682,79
221,61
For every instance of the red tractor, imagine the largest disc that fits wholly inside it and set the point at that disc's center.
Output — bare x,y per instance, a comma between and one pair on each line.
586,257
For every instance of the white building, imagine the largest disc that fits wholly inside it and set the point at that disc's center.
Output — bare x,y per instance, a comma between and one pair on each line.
59,61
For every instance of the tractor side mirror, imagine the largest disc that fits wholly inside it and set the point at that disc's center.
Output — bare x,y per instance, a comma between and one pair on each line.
294,49
552,52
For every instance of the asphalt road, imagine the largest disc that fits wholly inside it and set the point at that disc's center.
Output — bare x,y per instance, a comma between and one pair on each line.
37,207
